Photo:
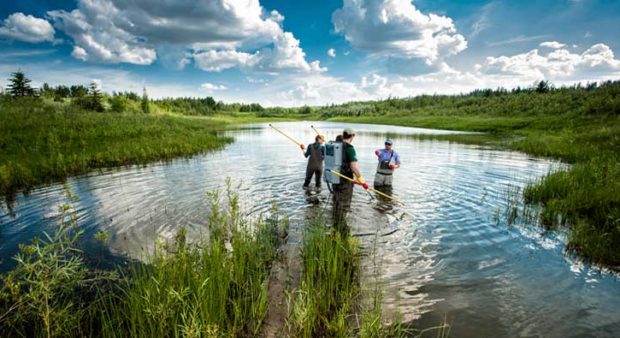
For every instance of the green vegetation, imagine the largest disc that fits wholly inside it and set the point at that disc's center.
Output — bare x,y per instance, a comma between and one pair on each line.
329,289
579,125
51,133
213,289
43,141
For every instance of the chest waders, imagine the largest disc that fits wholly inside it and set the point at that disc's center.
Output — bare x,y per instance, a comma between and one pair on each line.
315,165
383,167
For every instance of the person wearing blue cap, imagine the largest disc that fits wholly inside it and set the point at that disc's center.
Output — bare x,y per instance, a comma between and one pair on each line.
389,160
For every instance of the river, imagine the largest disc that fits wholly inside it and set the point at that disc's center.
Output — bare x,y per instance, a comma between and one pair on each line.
448,253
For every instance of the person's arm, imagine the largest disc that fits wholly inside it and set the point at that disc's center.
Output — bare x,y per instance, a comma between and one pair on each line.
396,161
307,150
356,172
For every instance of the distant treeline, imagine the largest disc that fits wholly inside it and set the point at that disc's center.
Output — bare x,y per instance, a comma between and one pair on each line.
204,106
543,98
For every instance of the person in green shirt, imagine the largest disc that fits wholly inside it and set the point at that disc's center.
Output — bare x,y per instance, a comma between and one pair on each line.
343,192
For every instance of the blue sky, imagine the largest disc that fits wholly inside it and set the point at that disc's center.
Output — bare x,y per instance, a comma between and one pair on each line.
280,52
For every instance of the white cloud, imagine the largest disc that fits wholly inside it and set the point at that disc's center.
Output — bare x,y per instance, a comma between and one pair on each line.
79,53
18,26
397,28
97,38
210,87
216,61
221,34
596,62
331,52
552,45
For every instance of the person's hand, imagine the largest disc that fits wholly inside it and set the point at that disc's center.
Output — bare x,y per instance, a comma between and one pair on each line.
391,166
303,147
361,181
378,152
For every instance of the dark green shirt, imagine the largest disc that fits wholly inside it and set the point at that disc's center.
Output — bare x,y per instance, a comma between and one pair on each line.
350,154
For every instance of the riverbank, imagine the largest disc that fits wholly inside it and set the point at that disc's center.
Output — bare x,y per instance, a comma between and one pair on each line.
580,126
43,141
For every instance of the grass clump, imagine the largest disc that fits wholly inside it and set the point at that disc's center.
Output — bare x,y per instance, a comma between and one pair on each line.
586,199
218,288
329,287
330,301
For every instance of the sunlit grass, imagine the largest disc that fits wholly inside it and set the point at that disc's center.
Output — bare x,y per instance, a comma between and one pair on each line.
42,142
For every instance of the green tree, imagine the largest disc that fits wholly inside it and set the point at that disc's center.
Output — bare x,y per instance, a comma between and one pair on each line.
119,103
145,102
543,87
94,98
306,110
19,85
78,91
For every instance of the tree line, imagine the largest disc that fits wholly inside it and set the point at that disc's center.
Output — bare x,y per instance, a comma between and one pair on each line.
92,98
86,97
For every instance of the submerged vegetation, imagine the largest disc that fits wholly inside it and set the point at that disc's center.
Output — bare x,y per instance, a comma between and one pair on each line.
579,125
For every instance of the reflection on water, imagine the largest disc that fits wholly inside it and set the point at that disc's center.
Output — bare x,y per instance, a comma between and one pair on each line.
444,253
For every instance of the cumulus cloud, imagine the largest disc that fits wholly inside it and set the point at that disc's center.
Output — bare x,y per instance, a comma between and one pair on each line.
552,45
559,64
18,26
220,34
97,38
397,28
216,61
331,52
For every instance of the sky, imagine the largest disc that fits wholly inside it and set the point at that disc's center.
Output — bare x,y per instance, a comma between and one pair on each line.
310,52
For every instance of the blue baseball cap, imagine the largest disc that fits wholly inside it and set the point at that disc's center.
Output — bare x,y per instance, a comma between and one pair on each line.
388,141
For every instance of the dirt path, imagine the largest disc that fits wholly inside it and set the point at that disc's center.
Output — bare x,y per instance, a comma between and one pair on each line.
283,281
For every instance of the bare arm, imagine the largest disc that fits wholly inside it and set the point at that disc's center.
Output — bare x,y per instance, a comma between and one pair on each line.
356,169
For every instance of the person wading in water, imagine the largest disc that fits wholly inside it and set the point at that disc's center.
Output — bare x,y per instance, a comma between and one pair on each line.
315,153
343,192
389,160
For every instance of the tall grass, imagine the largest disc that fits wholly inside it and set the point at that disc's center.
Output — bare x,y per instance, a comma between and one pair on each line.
47,141
586,199
218,288
329,288
330,301
214,288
